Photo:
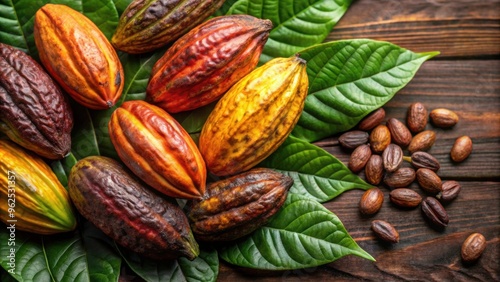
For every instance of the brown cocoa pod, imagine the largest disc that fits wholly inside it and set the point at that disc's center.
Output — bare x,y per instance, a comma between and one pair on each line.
401,178
128,211
374,170
443,118
449,191
421,159
423,141
405,198
416,117
392,157
353,139
371,201
238,205
461,149
372,120
33,111
435,213
473,247
359,158
429,181
385,231
380,138
148,25
191,74
400,134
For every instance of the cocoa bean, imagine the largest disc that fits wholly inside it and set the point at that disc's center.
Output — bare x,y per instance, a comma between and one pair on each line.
371,120
423,141
435,213
449,191
461,149
400,134
416,118
473,247
429,181
401,178
374,170
359,158
405,198
443,118
392,157
385,231
380,138
353,139
371,201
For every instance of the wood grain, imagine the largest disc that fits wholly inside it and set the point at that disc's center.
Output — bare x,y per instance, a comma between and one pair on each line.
464,28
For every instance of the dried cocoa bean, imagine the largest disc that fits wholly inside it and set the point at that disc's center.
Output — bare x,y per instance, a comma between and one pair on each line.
473,247
449,191
371,120
401,178
380,138
385,231
359,158
392,157
423,141
400,134
353,139
371,201
421,159
461,149
374,170
429,181
405,198
443,118
416,118
435,213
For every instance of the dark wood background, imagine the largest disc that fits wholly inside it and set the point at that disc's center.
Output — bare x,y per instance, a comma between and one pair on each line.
465,78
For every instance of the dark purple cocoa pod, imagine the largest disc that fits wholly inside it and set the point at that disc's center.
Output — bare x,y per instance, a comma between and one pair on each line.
236,206
33,111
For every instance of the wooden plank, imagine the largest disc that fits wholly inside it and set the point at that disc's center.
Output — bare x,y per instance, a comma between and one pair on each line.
464,28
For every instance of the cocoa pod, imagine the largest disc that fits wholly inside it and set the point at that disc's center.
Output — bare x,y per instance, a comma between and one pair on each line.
110,197
155,147
191,74
255,116
31,193
33,111
148,25
78,56
238,205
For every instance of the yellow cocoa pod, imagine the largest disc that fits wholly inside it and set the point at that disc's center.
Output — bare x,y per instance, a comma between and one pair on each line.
33,199
255,116
78,56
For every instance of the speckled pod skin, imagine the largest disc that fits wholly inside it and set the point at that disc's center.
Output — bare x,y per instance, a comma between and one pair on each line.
110,197
204,63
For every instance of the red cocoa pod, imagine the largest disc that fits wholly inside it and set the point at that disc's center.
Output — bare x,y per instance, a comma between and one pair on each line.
194,72
157,149
33,111
78,56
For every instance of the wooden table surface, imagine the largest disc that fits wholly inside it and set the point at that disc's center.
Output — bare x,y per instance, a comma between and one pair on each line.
465,78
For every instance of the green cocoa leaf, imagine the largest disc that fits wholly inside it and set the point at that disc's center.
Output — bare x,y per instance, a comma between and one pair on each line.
121,5
226,6
17,19
64,257
317,174
62,168
302,234
350,78
203,268
296,24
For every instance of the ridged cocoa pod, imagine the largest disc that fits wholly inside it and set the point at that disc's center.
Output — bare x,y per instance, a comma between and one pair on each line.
155,147
33,111
191,74
146,25
255,116
31,193
110,197
238,205
78,56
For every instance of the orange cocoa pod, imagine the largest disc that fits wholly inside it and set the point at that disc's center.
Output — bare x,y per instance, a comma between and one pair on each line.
203,64
155,147
78,56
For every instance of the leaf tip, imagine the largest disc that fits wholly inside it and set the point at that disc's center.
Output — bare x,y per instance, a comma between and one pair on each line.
431,54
